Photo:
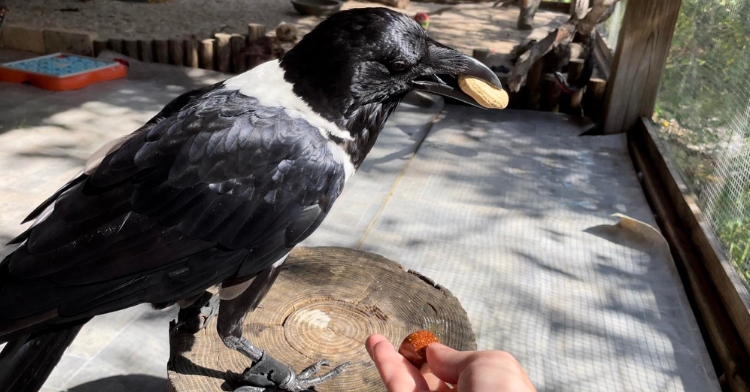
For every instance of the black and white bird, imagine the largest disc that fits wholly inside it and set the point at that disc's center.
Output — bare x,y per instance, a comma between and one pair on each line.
216,189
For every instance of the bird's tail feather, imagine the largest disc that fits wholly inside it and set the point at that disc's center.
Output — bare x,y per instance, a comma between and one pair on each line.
26,363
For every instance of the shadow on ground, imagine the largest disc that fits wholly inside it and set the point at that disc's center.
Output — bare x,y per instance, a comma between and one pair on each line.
129,383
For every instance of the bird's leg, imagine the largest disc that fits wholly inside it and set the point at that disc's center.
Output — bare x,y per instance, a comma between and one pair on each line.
195,313
265,372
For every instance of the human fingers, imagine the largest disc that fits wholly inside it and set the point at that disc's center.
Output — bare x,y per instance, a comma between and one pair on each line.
478,370
397,373
447,363
433,382
496,371
372,340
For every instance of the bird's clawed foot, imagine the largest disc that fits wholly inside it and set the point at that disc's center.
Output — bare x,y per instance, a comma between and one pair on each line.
269,374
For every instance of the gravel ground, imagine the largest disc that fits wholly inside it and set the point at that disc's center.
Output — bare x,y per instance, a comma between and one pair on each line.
463,29
171,19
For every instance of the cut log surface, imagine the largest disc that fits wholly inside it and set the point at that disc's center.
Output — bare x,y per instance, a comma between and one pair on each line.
325,303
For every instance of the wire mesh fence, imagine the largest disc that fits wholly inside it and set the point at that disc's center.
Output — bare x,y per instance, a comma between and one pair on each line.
703,111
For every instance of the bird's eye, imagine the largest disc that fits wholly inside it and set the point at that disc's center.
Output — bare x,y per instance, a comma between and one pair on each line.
399,66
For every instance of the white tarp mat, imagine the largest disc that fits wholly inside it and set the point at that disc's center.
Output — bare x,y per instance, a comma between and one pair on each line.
513,212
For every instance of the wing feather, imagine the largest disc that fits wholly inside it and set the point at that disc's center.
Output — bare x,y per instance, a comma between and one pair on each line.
212,185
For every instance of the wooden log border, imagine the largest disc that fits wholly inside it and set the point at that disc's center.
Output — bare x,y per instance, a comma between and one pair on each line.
226,53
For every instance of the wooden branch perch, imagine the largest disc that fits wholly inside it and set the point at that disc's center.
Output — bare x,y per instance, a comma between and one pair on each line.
596,16
560,36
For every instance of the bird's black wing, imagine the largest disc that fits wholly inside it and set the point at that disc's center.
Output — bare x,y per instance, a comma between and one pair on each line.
180,205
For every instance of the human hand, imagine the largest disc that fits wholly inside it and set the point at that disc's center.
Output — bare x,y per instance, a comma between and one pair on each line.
467,371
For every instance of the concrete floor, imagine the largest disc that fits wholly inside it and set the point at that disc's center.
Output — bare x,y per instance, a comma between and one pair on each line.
508,210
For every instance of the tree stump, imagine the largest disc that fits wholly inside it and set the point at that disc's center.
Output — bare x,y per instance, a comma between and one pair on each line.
324,304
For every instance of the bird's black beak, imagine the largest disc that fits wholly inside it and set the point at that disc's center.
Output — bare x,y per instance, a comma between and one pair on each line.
443,65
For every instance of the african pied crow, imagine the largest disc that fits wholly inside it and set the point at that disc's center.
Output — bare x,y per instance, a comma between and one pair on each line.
216,189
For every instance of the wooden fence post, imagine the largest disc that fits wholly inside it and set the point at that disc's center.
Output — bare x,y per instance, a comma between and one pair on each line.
176,52
161,51
100,45
191,52
115,45
223,52
206,53
146,50
130,48
255,31
639,61
238,42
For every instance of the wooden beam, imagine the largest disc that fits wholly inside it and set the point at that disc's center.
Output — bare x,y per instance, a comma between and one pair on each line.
639,61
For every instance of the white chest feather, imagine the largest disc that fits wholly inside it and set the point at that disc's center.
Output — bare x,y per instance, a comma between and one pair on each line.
266,83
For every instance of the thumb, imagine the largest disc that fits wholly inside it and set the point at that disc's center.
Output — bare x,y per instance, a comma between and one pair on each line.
447,363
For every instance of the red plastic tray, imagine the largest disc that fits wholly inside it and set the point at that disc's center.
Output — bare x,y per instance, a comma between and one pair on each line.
61,71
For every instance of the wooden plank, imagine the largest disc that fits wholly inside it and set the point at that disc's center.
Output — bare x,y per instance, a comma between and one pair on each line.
161,51
639,61
192,57
176,52
222,52
206,53
721,300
